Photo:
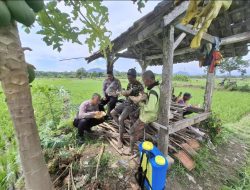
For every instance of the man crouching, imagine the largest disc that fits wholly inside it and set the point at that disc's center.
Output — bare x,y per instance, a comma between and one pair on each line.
89,115
148,109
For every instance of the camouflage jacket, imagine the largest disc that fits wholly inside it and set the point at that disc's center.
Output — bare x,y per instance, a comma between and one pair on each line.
136,88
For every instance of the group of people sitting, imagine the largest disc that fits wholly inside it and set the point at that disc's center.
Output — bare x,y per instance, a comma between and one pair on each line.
140,106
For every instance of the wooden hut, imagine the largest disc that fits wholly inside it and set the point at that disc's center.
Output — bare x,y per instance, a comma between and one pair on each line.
159,39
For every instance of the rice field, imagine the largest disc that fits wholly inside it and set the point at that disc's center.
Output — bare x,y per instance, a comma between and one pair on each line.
230,106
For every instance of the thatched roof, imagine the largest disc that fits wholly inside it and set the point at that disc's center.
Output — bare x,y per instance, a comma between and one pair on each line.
143,40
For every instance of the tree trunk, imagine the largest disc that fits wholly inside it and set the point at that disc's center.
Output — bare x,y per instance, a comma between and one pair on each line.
14,78
110,67
110,63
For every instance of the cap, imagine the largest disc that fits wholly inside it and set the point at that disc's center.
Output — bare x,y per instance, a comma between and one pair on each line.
132,72
160,160
146,145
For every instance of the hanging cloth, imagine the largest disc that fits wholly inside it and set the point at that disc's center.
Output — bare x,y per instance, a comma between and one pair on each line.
217,58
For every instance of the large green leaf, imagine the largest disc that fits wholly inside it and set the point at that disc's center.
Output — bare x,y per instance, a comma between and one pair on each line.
81,17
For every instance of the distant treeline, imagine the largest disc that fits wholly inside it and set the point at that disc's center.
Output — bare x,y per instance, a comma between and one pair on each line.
76,74
55,74
83,74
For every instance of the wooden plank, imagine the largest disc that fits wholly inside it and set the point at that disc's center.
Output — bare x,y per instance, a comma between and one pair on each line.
176,52
142,30
177,105
184,51
127,55
152,29
158,126
188,29
155,28
190,108
109,126
175,13
104,133
151,57
235,38
156,41
177,108
166,88
194,109
227,29
209,91
179,39
224,41
179,125
185,160
114,146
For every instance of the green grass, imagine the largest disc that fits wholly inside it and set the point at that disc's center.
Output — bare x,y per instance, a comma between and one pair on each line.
201,82
241,130
230,106
79,89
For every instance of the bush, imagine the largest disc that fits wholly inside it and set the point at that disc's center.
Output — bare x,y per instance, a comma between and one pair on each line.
54,115
232,86
244,88
182,78
50,105
213,126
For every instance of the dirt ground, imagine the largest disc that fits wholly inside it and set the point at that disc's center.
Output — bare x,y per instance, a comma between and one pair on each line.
221,165
223,168
230,157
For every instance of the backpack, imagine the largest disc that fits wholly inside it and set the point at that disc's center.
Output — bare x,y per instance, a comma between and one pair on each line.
140,175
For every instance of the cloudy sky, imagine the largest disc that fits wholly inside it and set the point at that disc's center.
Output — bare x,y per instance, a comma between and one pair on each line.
122,14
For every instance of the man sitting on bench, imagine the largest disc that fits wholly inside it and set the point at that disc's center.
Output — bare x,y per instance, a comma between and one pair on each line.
149,109
184,100
111,87
122,111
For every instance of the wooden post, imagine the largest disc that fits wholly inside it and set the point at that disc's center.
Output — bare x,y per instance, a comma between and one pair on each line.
209,91
110,62
143,65
166,88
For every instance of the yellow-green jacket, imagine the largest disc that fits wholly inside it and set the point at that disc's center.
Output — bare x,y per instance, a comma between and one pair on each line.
149,110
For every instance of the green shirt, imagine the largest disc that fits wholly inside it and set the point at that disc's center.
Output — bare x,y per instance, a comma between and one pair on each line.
149,110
